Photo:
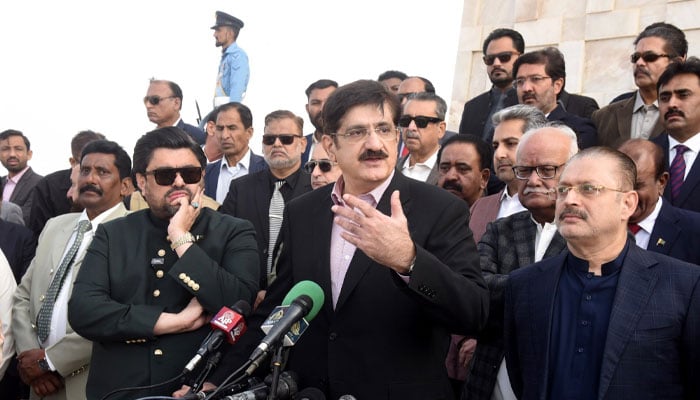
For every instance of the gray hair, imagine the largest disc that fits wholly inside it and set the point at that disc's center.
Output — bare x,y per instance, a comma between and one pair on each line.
532,116
440,105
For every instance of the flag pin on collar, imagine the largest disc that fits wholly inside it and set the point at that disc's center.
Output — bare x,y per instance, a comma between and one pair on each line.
660,242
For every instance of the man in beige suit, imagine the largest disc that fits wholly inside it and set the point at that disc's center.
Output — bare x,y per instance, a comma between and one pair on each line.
52,358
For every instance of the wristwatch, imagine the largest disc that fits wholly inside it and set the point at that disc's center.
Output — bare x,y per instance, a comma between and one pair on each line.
185,238
44,365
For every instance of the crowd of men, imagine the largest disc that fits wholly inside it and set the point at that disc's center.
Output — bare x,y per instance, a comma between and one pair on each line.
547,250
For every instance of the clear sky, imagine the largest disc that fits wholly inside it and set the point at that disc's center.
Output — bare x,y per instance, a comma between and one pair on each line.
74,64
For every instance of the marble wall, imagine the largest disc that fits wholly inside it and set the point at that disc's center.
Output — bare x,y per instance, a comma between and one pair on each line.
595,36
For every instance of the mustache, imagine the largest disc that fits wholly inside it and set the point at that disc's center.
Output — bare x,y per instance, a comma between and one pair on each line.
496,69
673,112
412,134
569,211
452,185
641,70
371,154
179,189
528,96
91,188
529,190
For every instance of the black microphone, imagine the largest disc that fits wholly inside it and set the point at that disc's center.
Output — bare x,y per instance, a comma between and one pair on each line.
228,324
286,389
311,393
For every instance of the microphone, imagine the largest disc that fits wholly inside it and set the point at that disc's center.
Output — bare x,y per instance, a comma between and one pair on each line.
286,389
229,324
311,393
303,300
347,397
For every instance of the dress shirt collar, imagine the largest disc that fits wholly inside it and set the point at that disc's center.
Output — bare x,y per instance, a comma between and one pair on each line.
639,103
244,162
374,195
608,268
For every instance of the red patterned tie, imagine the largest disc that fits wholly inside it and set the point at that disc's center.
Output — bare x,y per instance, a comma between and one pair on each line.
677,171
634,228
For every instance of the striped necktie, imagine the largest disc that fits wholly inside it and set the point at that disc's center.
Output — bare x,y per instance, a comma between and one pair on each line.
46,311
677,171
276,215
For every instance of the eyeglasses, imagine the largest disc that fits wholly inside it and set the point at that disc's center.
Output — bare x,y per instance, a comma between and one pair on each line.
535,79
285,139
647,56
503,57
421,121
585,189
323,164
543,171
155,100
166,176
385,132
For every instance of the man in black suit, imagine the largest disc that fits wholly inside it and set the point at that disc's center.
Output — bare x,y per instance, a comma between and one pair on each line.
49,197
163,103
15,152
250,196
657,225
679,105
539,77
233,131
501,48
604,319
395,259
583,106
316,95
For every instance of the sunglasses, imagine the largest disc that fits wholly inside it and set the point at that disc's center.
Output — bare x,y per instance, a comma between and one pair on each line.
286,140
155,100
421,121
323,165
166,176
502,57
647,56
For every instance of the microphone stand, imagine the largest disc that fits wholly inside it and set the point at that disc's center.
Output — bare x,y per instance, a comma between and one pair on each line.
212,361
277,361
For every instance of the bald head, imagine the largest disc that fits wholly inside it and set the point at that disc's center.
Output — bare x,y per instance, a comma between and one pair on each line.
651,174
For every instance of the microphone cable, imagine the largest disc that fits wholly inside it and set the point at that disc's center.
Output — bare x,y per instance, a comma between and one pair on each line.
134,388
223,385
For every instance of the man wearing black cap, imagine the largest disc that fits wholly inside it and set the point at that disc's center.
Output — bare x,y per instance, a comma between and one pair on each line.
234,72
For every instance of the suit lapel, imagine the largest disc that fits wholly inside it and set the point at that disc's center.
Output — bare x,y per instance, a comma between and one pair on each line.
543,295
623,115
262,198
691,181
665,232
555,247
61,242
22,188
635,285
524,235
360,261
433,176
321,236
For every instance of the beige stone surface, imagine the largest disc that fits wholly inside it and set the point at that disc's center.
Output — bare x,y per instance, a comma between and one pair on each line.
541,32
612,24
593,6
526,10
